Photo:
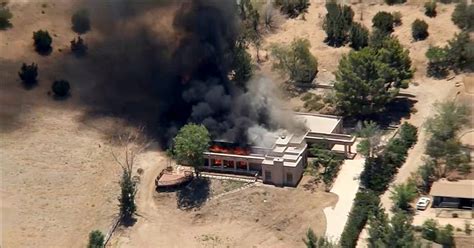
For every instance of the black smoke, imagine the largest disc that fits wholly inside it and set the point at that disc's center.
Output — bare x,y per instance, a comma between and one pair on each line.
163,74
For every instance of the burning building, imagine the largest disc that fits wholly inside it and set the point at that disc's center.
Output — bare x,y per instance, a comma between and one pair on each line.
282,161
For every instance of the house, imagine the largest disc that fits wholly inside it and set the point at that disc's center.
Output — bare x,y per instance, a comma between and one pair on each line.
282,159
457,194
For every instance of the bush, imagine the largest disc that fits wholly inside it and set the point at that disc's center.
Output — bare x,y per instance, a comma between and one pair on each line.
419,30
78,46
429,229
397,18
61,88
80,21
392,2
96,239
293,8
376,175
5,16
295,61
358,36
28,74
463,16
337,23
430,9
383,21
438,63
408,134
42,41
444,236
365,202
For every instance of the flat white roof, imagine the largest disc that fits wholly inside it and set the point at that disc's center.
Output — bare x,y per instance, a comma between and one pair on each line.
319,123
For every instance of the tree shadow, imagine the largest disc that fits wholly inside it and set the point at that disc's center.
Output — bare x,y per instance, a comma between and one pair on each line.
398,109
128,222
44,51
194,195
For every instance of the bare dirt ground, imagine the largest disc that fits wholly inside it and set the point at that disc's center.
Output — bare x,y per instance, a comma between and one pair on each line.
259,216
59,180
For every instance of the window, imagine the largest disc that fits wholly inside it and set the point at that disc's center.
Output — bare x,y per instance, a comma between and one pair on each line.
289,177
268,175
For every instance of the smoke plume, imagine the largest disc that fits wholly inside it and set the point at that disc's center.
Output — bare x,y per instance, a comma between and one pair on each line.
166,63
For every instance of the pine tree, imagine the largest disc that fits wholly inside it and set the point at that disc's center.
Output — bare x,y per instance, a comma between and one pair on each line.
359,36
28,74
383,21
127,196
337,23
438,62
430,9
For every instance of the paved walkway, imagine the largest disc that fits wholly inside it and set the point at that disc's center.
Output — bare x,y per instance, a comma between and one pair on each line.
346,187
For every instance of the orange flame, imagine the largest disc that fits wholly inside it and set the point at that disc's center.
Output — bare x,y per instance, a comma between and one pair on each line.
236,150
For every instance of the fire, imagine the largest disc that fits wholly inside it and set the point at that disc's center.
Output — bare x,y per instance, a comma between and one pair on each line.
234,150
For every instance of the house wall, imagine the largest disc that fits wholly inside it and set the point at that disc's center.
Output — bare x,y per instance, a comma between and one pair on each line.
279,173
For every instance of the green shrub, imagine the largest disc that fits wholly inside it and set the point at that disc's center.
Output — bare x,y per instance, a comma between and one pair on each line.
28,74
444,236
5,16
376,175
397,18
383,21
42,41
80,21
438,62
419,30
430,9
365,203
61,88
408,134
429,229
293,8
463,16
358,36
96,239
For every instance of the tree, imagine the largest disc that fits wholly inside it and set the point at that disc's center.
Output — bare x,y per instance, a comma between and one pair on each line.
377,38
293,8
189,145
430,9
402,195
242,65
438,62
463,15
383,21
96,239
133,143
370,144
5,16
401,233
271,17
295,61
426,175
429,229
461,52
61,88
397,18
408,134
42,41
28,74
445,236
78,46
80,21
311,239
337,23
329,160
398,62
419,30
360,86
378,229
358,36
